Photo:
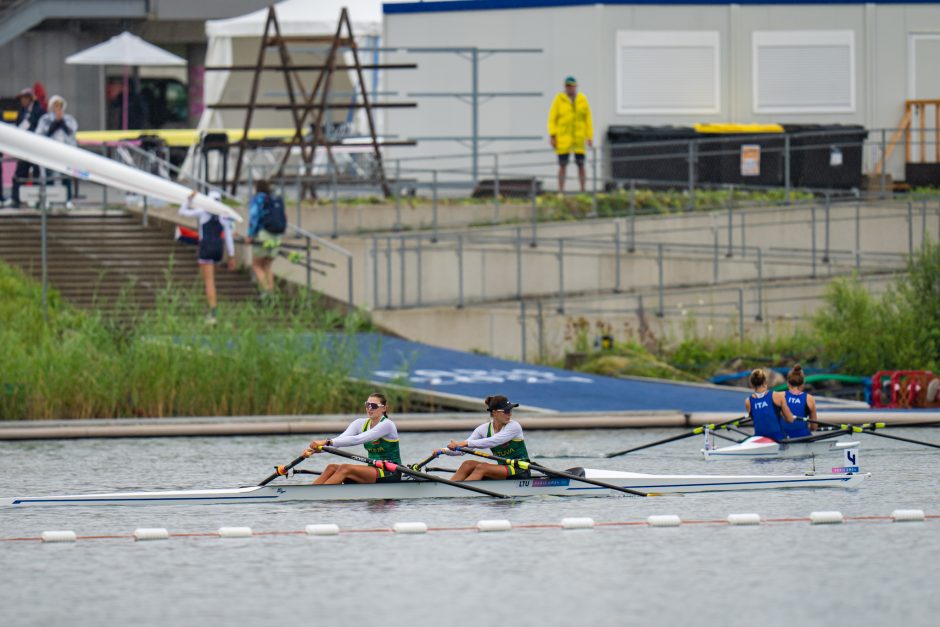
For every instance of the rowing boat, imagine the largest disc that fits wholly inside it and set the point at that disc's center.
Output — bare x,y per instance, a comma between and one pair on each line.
760,447
408,489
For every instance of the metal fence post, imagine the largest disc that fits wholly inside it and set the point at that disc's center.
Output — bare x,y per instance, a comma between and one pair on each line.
397,188
760,285
299,222
388,272
519,262
535,216
632,246
858,226
743,234
741,313
375,272
813,239
418,271
593,181
882,183
460,271
434,206
786,168
561,275
309,264
660,312
541,332
691,202
522,330
349,280
730,252
495,189
616,256
715,256
401,274
825,258
335,194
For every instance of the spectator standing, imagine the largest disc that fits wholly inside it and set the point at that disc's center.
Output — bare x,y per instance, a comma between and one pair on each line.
215,238
27,119
60,126
266,223
570,126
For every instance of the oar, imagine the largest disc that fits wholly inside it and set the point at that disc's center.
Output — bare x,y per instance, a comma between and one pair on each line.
548,471
390,467
870,430
695,431
281,471
425,462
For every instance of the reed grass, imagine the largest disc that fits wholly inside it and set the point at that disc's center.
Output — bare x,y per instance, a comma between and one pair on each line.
295,356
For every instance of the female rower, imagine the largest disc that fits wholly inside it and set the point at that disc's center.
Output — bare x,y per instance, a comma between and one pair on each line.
764,407
502,435
377,434
801,405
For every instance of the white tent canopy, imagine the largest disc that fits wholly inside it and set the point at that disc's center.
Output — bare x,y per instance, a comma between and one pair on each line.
124,49
303,17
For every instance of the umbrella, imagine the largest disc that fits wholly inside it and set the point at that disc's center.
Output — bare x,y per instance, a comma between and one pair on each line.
127,50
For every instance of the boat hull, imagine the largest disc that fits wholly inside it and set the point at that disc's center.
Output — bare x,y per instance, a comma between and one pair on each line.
757,447
535,486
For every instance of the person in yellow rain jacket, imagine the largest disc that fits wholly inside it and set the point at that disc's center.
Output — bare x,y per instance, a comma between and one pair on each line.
570,127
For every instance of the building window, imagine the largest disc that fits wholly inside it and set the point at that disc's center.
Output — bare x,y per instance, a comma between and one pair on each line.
668,72
804,71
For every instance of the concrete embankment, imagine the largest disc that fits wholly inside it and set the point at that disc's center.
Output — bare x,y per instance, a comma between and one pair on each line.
452,422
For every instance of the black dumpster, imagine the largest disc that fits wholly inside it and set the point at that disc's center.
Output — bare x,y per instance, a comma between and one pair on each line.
650,153
736,158
826,156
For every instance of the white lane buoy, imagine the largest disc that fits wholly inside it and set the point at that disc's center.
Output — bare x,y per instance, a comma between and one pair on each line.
664,520
494,525
826,518
234,532
410,527
323,529
156,533
58,536
908,515
743,519
577,523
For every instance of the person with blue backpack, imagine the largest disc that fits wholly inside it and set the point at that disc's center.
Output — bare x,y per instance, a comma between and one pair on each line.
267,222
215,238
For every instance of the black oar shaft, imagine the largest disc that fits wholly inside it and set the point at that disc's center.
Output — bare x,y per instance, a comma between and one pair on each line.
550,472
681,436
895,437
870,430
424,463
408,471
282,470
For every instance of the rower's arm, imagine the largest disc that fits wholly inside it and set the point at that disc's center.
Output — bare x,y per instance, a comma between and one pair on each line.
811,412
382,430
780,400
511,431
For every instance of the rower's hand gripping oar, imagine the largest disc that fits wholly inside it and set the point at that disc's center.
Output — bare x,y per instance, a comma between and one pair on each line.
281,471
548,471
869,428
390,467
682,436
425,462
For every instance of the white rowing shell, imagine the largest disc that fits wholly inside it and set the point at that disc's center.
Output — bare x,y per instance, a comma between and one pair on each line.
88,166
759,447
535,486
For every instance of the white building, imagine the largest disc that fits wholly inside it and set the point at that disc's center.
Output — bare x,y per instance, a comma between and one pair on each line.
668,63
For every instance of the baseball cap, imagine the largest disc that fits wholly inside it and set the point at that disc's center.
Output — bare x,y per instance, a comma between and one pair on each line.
26,91
571,81
501,405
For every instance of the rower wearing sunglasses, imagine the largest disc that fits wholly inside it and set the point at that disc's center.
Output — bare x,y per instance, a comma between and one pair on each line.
502,435
377,434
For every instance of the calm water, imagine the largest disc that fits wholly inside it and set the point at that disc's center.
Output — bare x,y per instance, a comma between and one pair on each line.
784,574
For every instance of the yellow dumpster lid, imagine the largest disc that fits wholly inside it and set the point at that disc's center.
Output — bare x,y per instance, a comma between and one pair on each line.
738,128
179,136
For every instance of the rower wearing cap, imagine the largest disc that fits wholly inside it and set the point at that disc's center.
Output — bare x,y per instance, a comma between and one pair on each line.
765,408
800,404
377,434
502,435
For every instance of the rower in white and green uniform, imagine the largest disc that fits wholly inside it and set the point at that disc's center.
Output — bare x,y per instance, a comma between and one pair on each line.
377,434
502,435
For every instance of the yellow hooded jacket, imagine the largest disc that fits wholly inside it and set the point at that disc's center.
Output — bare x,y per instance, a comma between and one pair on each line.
570,123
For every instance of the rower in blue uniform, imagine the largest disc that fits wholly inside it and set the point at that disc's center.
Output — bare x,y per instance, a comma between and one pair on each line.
765,408
801,405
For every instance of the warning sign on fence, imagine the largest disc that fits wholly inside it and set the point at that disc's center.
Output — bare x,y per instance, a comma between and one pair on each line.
750,160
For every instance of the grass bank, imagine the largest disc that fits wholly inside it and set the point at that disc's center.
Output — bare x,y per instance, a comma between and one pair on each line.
293,358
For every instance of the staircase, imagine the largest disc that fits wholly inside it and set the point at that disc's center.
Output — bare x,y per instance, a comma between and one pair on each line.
110,261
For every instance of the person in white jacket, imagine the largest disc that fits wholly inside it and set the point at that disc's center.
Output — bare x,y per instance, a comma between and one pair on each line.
60,126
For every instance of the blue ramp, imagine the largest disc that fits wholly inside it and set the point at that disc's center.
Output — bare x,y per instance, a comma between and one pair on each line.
472,377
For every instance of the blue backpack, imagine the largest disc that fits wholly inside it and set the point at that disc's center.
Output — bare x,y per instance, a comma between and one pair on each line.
273,218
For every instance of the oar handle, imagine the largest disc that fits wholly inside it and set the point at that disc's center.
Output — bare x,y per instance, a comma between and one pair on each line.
391,467
548,471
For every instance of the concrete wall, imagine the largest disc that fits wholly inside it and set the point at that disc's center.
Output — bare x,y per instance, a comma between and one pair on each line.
580,40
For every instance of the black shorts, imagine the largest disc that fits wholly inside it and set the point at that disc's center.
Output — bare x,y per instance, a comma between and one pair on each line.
384,476
517,473
578,158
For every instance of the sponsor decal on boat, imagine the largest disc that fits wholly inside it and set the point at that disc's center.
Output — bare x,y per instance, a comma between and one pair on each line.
845,469
543,482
